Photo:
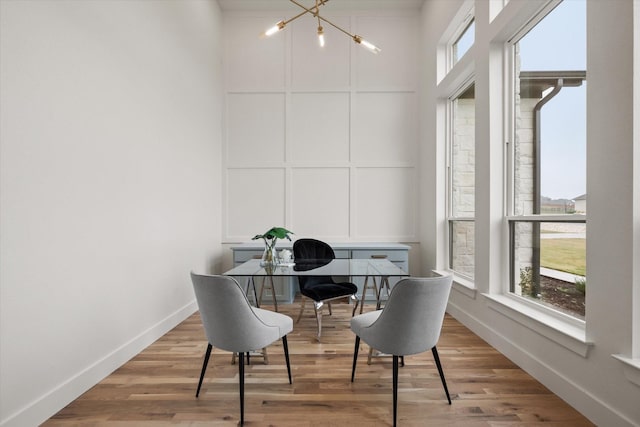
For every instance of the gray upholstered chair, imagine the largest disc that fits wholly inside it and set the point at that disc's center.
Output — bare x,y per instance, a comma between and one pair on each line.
410,323
231,324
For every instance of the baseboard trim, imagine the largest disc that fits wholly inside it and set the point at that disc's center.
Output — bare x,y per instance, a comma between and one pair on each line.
53,401
598,411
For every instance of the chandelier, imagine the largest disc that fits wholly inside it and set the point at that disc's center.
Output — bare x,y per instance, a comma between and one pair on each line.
315,11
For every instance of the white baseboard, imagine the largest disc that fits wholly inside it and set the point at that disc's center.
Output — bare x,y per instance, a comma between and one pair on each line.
598,411
49,404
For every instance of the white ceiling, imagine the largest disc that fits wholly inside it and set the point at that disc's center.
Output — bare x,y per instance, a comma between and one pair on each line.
333,4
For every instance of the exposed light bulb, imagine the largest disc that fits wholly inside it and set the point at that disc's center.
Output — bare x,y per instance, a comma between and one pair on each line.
271,31
372,48
321,36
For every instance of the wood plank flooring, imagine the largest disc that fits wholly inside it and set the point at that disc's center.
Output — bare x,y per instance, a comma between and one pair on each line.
157,387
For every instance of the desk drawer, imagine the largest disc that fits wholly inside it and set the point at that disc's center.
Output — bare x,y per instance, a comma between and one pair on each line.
393,256
241,256
342,254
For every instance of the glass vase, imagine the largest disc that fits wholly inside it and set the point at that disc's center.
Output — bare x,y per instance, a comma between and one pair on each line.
269,256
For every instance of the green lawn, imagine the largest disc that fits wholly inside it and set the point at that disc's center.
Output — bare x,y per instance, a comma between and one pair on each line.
568,255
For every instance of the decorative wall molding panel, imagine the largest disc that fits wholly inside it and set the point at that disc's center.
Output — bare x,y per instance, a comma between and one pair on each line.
323,141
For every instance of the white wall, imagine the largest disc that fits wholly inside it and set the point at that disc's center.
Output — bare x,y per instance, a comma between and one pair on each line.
321,141
109,187
594,384
110,176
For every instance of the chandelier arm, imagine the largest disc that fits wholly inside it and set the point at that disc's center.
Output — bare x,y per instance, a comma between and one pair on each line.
296,17
307,10
318,4
317,13
336,27
322,2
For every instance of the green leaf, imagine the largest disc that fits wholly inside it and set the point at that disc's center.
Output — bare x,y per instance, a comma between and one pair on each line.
274,233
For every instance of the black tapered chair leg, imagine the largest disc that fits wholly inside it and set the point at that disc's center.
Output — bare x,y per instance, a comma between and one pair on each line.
441,372
395,389
204,367
355,357
241,379
286,355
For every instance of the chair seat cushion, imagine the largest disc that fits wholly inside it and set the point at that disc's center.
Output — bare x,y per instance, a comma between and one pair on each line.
362,321
324,291
271,318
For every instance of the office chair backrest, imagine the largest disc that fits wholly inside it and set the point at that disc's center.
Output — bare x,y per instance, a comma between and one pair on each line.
229,321
312,251
412,319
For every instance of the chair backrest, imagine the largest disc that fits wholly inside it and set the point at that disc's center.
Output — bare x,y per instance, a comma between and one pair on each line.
312,250
228,319
411,320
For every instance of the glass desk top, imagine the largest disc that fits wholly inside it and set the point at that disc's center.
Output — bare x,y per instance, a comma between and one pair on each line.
336,267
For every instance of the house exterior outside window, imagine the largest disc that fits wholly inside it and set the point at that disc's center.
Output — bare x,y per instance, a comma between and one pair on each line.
462,184
547,240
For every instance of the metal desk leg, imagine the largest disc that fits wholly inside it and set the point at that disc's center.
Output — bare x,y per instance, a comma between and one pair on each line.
384,283
263,353
251,283
364,291
273,291
259,353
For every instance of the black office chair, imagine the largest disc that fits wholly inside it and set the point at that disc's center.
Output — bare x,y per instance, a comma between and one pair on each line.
311,253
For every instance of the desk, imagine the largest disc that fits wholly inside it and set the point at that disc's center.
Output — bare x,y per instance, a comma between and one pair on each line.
366,268
286,286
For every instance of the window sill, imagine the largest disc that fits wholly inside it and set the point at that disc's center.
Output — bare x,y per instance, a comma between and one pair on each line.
631,368
460,284
572,337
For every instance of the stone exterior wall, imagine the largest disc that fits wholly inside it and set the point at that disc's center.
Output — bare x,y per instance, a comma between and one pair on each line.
463,253
524,160
524,179
463,186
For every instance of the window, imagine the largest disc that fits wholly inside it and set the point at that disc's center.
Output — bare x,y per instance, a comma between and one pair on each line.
465,40
495,6
462,183
547,221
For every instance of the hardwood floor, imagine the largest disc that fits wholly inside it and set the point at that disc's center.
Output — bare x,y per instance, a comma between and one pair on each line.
157,387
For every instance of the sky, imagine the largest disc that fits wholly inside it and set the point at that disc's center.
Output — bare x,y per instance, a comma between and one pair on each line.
558,43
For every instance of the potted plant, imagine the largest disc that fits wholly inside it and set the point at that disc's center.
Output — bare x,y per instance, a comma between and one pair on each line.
270,257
